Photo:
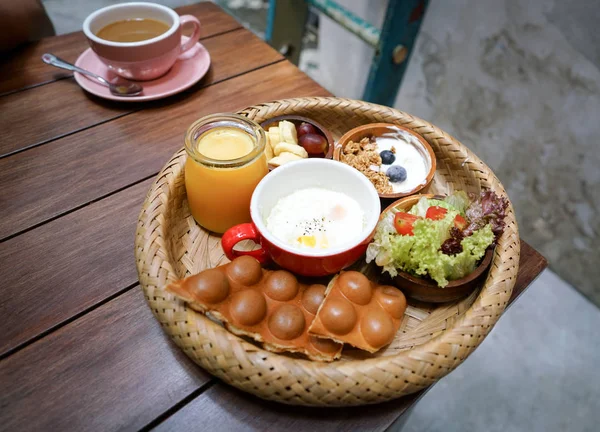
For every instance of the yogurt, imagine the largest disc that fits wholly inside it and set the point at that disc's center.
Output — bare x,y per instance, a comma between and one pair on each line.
316,218
408,155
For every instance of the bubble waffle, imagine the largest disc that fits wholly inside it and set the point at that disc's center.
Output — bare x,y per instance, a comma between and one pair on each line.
359,312
271,307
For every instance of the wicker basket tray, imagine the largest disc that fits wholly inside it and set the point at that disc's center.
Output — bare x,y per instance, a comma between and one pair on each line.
433,339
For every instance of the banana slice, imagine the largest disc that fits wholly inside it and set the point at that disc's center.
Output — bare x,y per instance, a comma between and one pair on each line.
287,132
283,158
274,136
291,148
269,147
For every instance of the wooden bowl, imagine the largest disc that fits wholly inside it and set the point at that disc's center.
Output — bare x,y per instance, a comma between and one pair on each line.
298,120
378,129
427,290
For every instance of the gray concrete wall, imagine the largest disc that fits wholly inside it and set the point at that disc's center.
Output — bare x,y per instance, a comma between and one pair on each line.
518,82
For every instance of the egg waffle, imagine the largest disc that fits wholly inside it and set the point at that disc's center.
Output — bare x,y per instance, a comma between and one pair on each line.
359,312
271,307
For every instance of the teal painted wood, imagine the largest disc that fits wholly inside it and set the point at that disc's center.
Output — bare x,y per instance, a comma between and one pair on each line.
400,29
354,24
270,20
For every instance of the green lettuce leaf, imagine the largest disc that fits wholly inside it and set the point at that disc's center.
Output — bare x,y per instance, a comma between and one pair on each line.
420,254
474,247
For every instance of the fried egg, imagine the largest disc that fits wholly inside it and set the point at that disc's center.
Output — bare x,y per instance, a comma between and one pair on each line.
316,218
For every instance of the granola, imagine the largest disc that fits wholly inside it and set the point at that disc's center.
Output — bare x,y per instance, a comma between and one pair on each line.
364,157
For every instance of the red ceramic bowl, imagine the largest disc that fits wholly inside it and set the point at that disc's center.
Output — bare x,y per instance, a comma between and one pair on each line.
323,173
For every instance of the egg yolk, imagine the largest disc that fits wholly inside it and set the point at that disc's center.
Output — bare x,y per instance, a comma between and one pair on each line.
313,241
338,212
309,241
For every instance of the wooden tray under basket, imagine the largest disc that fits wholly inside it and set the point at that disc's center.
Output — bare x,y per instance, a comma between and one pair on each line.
433,339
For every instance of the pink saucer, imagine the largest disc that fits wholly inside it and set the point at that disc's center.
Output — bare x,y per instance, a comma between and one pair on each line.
187,71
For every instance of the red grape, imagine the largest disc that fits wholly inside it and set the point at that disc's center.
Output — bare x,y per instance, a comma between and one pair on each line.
306,128
314,144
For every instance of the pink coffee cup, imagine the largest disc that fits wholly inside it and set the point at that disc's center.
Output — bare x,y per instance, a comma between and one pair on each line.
147,59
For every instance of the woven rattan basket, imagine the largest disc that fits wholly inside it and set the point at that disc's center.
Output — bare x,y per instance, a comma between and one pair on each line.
433,339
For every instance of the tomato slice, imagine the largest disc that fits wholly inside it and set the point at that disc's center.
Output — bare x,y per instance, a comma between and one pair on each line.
404,223
436,213
460,222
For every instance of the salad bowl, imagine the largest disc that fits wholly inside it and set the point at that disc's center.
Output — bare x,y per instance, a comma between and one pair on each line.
425,289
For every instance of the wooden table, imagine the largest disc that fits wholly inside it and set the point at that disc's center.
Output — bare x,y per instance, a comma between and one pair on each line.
79,347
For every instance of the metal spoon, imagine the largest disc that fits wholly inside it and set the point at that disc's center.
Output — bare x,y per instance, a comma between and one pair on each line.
121,88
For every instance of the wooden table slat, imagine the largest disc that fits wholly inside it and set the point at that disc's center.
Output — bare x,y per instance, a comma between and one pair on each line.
112,369
229,409
48,112
49,180
68,265
529,269
23,68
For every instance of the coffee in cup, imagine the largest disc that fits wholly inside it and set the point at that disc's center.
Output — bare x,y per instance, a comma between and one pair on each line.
139,41
133,30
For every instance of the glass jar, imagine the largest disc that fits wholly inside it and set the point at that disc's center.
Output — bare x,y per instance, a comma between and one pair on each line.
219,190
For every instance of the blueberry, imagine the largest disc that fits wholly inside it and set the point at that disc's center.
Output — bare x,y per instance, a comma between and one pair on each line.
396,173
387,157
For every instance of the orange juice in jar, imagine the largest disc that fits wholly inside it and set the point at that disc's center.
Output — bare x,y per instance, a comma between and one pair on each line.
226,160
